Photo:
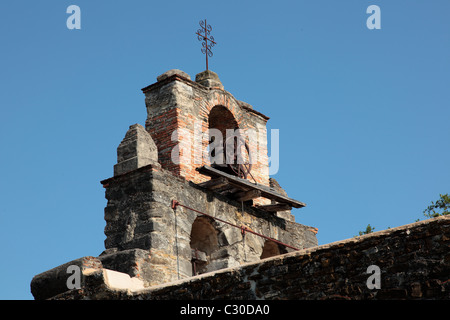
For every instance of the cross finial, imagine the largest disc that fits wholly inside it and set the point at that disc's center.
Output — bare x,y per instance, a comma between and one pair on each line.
203,34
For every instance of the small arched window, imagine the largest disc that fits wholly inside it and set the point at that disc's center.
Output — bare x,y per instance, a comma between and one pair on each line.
271,249
204,241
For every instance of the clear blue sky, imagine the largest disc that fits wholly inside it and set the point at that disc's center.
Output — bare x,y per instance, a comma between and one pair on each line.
363,114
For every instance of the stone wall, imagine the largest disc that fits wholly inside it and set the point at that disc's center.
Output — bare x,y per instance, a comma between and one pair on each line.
414,261
146,238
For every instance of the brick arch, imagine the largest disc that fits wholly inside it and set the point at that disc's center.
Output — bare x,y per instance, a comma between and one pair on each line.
227,101
221,118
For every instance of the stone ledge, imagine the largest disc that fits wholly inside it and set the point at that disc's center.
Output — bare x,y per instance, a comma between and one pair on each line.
169,79
120,281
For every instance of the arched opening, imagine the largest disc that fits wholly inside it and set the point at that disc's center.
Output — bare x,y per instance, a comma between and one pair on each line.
238,163
204,241
221,118
271,249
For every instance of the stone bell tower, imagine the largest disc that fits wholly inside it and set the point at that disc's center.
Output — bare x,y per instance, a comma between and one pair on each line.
173,209
160,167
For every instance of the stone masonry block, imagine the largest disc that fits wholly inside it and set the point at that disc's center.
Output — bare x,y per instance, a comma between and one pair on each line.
54,281
136,150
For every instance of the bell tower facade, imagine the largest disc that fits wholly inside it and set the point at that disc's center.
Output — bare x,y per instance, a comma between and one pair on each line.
184,118
177,204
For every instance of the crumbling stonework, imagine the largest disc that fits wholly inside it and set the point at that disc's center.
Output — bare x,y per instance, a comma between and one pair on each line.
414,261
177,103
184,230
139,217
136,150
149,241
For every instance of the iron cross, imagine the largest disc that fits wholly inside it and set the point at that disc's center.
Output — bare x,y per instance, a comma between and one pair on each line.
203,35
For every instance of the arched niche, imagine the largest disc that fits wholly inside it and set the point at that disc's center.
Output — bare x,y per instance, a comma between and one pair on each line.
204,241
271,249
221,119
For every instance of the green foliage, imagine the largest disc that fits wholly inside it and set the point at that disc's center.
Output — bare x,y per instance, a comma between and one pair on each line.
369,229
439,208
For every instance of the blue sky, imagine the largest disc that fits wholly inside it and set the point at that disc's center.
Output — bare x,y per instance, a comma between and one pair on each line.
363,114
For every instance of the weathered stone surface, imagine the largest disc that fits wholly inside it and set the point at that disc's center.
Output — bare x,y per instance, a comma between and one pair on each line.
245,104
136,150
149,243
327,272
134,262
140,218
179,111
273,183
54,281
209,78
172,72
146,238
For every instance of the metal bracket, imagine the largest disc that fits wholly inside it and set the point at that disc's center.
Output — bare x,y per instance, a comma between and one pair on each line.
174,204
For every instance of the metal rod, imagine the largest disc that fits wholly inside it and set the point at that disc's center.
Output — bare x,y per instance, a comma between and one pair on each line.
175,203
206,41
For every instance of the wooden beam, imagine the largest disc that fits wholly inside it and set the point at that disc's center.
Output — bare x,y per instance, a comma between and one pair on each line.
215,183
275,207
247,195
243,184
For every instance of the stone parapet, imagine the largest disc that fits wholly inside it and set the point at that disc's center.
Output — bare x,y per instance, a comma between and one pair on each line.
414,261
